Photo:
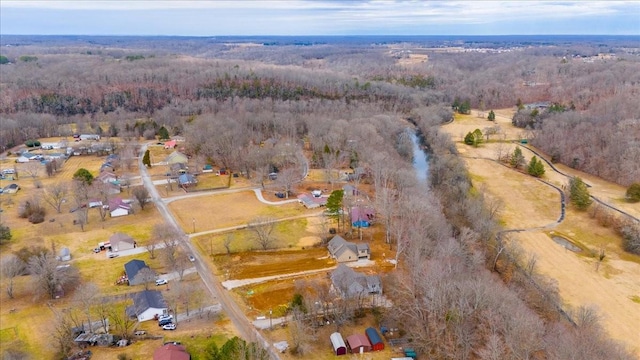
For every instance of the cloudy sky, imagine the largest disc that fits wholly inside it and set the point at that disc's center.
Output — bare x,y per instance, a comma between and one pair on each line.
318,17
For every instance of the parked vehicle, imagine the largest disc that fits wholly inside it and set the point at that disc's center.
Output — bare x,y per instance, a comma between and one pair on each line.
161,282
169,327
165,317
165,322
113,255
191,258
96,250
139,332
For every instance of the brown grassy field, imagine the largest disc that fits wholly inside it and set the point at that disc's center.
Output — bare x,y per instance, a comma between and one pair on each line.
226,210
529,203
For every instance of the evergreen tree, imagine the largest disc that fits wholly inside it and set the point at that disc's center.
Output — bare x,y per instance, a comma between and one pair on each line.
163,133
491,116
517,159
468,139
474,138
146,159
465,107
579,193
633,193
536,167
113,130
334,204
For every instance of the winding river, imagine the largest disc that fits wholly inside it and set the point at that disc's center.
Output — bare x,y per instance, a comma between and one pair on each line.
420,159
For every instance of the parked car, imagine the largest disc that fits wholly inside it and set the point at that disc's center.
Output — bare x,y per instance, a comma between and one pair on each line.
112,255
191,258
165,322
96,250
161,282
139,332
169,327
165,317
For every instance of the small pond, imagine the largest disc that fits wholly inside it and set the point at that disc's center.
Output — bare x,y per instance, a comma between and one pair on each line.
566,243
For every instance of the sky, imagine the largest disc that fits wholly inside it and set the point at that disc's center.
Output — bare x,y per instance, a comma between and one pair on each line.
318,17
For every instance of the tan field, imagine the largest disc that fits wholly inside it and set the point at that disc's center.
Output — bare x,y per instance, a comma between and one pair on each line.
613,287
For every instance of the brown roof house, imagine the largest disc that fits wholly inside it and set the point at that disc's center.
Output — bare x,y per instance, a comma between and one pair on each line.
345,251
349,283
171,351
120,241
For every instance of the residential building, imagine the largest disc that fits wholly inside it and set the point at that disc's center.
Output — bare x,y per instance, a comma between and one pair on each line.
147,305
345,251
132,268
349,283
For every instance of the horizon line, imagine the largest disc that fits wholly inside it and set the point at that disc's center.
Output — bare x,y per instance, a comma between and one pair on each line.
323,35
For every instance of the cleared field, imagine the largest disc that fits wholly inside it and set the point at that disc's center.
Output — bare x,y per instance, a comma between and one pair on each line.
528,203
210,212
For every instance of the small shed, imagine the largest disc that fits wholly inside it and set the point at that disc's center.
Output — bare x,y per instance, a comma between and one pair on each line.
358,343
374,339
65,254
339,347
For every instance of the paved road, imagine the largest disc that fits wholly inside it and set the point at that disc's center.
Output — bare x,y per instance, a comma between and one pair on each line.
247,331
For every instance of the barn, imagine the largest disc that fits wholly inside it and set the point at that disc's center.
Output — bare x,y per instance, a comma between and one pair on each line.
374,339
358,343
339,347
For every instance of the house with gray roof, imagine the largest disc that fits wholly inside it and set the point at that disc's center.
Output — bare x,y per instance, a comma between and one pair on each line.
132,268
345,251
147,305
352,284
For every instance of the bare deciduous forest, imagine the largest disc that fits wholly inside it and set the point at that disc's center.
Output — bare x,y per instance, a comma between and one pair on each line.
346,101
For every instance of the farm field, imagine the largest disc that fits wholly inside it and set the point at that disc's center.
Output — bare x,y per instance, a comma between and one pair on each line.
613,288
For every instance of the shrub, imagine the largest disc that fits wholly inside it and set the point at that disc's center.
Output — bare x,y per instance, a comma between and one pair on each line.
37,217
32,143
633,193
5,234
631,238
32,210
26,253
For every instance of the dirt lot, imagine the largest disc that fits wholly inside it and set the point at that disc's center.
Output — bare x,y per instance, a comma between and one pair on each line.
614,288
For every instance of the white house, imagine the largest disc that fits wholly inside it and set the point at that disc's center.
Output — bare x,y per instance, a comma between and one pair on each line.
117,207
147,305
